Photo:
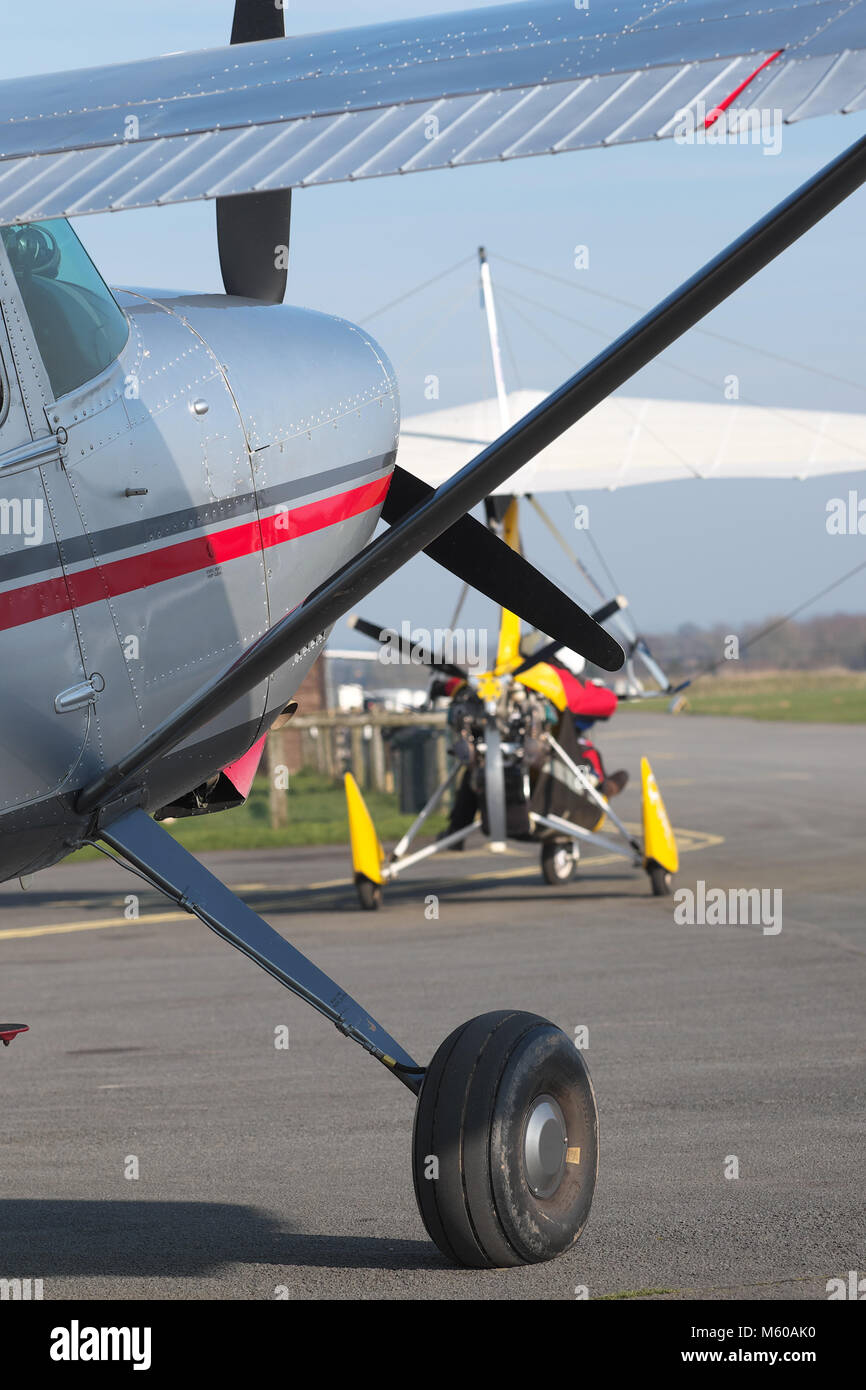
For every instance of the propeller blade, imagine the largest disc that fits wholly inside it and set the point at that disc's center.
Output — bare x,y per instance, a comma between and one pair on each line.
388,637
607,610
468,549
548,652
255,20
253,229
308,624
496,509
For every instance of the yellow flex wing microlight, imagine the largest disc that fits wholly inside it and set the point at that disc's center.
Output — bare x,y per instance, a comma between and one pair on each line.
544,680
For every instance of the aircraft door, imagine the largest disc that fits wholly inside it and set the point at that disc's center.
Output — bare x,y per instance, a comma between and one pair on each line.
46,712
193,519
154,502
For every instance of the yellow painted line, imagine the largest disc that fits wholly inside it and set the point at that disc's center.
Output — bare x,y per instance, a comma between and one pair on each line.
702,838
62,928
151,918
689,841
234,887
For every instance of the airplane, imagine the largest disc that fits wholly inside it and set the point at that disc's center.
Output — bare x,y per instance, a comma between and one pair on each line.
523,765
192,483
520,771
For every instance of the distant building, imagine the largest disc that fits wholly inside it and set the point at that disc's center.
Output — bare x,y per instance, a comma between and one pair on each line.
312,696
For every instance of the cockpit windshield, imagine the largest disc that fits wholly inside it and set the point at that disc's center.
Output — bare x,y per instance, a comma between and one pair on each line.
78,325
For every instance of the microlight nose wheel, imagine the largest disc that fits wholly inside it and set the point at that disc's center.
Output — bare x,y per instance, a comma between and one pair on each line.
505,1147
558,862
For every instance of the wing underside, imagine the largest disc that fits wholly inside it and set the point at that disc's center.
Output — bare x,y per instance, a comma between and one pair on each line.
505,82
627,441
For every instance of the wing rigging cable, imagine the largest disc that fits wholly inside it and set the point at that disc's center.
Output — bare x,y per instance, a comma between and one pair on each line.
507,291
790,418
776,624
699,328
626,622
633,439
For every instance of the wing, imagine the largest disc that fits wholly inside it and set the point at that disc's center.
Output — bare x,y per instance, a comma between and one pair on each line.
499,83
628,440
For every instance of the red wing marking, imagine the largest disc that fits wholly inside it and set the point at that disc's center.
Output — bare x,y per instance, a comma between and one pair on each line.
717,111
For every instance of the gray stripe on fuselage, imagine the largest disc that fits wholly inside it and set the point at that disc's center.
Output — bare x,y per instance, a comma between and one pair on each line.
138,534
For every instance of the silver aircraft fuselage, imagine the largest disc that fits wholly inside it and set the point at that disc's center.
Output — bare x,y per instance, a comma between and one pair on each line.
157,520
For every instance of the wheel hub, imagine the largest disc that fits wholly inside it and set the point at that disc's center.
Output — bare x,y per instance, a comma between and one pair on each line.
545,1146
562,862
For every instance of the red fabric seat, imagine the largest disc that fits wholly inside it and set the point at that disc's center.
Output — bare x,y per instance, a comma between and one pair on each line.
589,701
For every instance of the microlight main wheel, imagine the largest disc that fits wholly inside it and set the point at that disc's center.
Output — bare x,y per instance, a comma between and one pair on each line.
505,1146
661,879
369,893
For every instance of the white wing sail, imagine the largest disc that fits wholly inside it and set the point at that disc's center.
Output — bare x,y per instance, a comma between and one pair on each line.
628,440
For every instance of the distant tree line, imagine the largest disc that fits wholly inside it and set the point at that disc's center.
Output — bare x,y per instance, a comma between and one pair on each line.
811,644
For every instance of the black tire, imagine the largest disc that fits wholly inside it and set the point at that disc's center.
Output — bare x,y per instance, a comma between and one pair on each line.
488,1082
558,864
662,880
369,893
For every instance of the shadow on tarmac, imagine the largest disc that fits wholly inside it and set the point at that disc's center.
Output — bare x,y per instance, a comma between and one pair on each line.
44,1239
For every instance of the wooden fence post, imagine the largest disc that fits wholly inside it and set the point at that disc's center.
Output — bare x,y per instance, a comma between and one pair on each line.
359,769
377,759
278,783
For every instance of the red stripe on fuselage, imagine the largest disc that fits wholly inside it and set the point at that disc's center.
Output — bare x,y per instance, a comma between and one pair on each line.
34,601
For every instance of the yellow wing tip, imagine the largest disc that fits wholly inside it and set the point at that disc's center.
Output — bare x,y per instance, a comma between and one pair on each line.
368,855
660,843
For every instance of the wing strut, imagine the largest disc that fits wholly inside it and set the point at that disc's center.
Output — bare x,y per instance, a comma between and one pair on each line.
175,872
651,335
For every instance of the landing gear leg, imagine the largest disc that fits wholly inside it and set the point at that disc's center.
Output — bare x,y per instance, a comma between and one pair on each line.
175,872
505,1149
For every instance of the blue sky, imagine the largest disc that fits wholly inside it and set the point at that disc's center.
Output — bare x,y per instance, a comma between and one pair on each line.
650,214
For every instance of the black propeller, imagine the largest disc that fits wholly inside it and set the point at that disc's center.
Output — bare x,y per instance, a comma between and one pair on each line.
389,638
495,509
253,229
428,520
474,554
549,650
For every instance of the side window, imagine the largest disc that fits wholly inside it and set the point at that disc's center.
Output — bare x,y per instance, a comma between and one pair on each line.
78,325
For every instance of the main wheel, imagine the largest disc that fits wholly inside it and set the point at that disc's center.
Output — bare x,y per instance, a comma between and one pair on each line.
505,1146
558,862
369,893
661,879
